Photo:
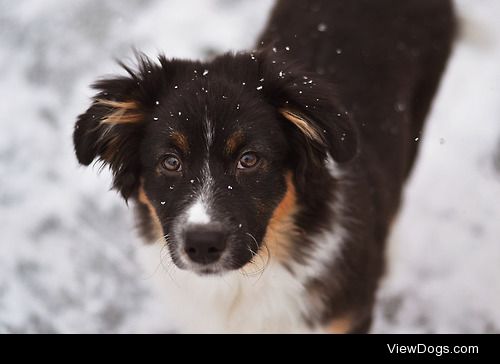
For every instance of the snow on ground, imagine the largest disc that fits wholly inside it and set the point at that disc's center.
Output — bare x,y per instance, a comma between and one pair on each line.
445,251
67,245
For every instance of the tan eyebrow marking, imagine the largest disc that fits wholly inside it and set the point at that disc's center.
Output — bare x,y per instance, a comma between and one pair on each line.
180,141
233,142
125,112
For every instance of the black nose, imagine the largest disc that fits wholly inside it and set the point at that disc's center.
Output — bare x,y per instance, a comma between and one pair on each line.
204,244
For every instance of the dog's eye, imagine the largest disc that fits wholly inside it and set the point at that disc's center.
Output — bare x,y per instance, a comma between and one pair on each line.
248,160
171,163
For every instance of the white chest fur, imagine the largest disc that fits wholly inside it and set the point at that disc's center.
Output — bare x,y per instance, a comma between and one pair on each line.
269,302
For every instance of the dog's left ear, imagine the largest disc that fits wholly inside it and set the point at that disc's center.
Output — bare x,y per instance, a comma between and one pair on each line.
111,129
309,103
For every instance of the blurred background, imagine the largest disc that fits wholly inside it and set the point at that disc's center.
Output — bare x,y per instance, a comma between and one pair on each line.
68,248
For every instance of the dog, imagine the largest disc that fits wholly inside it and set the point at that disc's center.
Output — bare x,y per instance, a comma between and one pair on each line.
266,181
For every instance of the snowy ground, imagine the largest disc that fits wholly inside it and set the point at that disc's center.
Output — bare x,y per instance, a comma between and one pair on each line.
67,245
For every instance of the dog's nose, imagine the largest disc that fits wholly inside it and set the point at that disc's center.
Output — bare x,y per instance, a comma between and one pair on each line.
205,243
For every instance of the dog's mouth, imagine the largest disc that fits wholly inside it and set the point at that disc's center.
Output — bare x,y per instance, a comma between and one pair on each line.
210,249
225,265
213,269
209,271
229,261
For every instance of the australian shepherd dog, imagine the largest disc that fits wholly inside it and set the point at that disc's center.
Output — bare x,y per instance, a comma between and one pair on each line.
266,181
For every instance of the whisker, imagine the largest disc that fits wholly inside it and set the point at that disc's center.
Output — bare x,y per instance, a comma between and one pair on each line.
268,261
168,265
265,262
165,240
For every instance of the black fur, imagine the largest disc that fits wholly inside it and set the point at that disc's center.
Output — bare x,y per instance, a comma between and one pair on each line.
362,73
385,59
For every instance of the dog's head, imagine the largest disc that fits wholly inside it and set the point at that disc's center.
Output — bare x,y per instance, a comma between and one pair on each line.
219,156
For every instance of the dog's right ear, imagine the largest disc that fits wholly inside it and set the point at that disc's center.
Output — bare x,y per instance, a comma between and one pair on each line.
111,128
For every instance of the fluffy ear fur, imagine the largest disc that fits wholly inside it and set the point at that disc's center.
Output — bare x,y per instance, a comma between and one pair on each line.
309,103
111,129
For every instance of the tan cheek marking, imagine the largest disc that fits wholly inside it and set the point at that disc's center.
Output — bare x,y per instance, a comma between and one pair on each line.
281,229
181,141
341,325
158,231
124,112
233,142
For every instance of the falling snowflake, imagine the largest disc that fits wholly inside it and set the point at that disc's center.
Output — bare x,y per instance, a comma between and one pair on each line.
322,27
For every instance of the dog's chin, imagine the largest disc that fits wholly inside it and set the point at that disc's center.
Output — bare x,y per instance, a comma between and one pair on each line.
215,270
227,264
210,271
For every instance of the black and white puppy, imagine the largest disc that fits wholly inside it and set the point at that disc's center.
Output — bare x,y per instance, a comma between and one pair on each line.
267,181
